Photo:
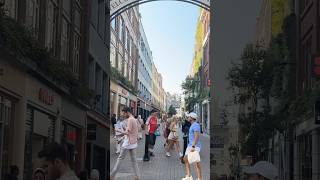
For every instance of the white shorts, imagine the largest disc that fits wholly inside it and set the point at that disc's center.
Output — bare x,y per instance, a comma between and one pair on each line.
188,150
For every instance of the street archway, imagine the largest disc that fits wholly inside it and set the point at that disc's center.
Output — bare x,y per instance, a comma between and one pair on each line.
119,6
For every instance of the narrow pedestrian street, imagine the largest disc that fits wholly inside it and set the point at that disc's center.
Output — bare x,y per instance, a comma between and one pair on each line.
161,167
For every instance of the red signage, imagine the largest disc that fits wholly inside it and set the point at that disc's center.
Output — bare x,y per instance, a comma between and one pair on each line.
46,97
72,136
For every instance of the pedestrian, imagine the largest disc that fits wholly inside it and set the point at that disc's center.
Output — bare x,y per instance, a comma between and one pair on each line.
140,126
120,126
193,145
94,175
173,138
130,144
113,121
56,159
185,129
39,174
262,170
152,126
14,172
167,130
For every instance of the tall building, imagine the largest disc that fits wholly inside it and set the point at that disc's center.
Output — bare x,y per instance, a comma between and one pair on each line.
124,58
205,81
155,88
46,105
307,133
144,75
98,76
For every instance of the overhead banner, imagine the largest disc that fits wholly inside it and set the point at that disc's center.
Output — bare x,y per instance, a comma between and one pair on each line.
118,5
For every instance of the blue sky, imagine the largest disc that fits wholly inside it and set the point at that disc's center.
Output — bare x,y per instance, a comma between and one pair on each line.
170,28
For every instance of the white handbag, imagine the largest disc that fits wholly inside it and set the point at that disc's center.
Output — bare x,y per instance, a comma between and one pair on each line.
193,157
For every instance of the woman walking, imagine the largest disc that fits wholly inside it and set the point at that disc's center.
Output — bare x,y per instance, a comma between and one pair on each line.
140,126
173,138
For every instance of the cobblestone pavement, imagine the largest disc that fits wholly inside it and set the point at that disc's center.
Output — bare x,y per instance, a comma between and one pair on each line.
161,167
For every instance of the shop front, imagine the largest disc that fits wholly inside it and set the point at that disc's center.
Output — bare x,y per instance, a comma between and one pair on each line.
144,109
12,116
306,151
6,125
97,147
73,123
42,112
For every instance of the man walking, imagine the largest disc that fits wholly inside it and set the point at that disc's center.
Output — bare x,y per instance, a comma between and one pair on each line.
152,125
129,144
193,145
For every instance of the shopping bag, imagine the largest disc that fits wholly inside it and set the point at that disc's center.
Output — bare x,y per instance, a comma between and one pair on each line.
157,133
193,157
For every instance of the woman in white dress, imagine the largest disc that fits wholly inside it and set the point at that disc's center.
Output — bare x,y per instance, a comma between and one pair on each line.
140,125
173,138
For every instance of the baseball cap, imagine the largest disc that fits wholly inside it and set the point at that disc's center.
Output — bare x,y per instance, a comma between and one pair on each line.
263,168
192,115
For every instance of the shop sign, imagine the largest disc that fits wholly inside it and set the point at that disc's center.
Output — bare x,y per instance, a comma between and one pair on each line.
123,92
46,97
72,136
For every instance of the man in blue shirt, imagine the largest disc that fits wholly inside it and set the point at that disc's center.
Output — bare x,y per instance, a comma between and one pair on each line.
194,145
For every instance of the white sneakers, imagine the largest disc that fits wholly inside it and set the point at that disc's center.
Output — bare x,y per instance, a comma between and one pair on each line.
187,178
168,154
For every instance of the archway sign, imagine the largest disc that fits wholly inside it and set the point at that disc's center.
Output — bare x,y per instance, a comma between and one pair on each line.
119,6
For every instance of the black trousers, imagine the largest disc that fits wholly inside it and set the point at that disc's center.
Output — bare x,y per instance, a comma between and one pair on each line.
185,145
146,148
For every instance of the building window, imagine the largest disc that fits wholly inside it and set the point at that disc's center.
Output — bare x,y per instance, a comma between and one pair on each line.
131,47
120,32
113,24
308,63
94,13
6,123
101,17
112,55
104,94
64,41
77,19
51,27
10,7
125,64
32,16
120,59
305,156
76,53
67,7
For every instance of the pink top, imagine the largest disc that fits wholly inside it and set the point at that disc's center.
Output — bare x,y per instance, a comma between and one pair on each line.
132,129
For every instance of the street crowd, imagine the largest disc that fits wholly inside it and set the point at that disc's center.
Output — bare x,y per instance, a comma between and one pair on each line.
128,130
